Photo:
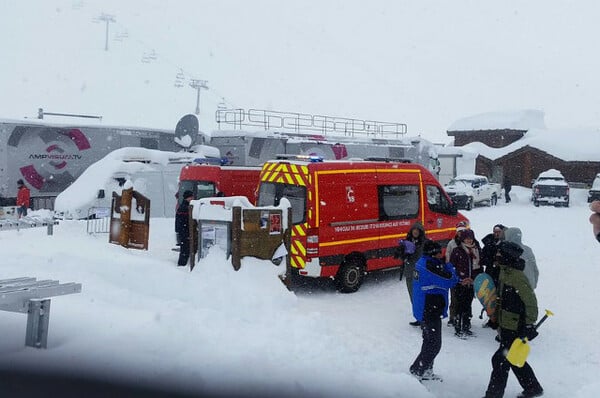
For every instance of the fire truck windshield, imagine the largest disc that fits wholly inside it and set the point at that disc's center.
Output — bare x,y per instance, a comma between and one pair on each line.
201,189
270,194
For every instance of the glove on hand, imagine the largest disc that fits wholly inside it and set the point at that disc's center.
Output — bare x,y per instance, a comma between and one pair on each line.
529,332
399,252
409,247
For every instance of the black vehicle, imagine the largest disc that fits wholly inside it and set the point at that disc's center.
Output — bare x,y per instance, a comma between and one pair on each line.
550,188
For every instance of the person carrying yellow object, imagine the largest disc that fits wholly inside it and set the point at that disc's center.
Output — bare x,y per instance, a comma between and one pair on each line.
517,312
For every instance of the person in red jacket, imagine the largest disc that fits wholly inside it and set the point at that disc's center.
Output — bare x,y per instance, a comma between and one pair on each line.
22,199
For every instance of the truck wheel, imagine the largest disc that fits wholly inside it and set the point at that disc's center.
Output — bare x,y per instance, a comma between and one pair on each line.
350,276
494,200
469,204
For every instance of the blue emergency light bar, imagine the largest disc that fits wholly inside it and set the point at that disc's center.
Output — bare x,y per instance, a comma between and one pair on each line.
214,161
306,158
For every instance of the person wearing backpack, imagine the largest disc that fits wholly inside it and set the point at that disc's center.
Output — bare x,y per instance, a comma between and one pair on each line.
517,312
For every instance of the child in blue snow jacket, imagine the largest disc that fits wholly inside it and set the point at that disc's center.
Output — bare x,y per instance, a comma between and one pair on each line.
432,280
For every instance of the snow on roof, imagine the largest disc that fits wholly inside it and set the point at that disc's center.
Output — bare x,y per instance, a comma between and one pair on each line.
65,122
577,144
551,173
465,152
467,177
126,160
551,177
515,120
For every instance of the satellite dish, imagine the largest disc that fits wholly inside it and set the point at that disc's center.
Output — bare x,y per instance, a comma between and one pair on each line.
186,131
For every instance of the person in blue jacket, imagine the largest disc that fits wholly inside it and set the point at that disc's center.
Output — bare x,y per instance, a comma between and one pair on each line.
433,277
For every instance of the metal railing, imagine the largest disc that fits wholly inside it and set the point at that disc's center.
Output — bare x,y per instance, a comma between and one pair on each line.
306,123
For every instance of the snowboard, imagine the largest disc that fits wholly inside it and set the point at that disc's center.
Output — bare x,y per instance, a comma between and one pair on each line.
485,291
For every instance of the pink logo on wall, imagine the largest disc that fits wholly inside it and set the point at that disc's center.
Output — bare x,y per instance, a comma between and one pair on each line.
49,152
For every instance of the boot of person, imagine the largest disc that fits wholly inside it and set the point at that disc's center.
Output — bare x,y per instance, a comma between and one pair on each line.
466,325
538,392
458,331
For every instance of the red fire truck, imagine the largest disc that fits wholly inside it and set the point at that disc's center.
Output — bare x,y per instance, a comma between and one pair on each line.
348,216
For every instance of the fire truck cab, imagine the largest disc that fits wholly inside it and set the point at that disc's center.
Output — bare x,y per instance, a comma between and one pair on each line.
348,216
207,181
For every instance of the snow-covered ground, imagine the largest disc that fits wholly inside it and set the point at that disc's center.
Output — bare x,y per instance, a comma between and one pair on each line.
143,320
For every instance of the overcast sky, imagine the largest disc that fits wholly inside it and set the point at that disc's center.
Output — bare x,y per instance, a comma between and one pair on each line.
423,63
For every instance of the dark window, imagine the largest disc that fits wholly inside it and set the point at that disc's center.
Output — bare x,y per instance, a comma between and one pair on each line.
201,189
398,201
270,194
437,200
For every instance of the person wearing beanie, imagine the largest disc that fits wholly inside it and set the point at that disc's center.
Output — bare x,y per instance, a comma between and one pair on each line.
461,226
410,250
452,244
517,312
182,228
432,279
465,259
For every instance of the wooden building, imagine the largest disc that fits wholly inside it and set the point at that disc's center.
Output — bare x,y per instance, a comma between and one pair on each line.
530,148
526,163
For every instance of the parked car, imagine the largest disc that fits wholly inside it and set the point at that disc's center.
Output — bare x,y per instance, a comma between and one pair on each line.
594,192
467,190
550,188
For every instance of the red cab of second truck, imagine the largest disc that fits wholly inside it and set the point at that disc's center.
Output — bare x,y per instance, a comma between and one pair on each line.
209,181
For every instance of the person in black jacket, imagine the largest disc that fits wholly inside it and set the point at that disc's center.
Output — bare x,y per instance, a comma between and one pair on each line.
182,228
517,312
507,185
410,250
465,259
490,248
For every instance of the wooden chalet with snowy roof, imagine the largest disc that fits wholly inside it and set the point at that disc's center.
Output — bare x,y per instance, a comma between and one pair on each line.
518,145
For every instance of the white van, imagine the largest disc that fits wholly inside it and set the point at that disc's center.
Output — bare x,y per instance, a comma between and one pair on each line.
153,173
